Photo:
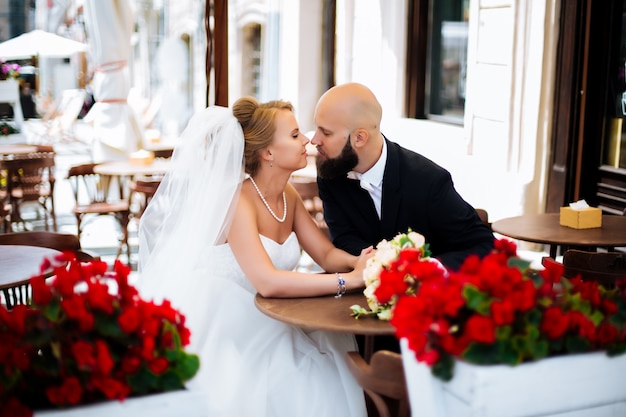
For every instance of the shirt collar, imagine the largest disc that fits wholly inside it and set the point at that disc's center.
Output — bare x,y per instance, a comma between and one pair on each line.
375,174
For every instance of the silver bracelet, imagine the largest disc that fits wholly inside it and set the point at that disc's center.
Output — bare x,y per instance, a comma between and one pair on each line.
341,286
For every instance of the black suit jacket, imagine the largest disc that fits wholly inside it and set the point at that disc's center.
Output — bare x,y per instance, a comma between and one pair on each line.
417,194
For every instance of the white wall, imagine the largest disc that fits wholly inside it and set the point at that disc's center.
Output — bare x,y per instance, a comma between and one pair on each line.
498,159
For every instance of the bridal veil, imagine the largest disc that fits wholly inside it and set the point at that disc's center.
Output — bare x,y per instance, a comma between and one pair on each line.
192,208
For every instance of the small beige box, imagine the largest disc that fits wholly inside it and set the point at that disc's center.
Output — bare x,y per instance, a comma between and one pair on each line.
586,218
142,157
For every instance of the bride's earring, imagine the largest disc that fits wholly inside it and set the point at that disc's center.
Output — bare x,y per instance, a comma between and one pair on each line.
271,162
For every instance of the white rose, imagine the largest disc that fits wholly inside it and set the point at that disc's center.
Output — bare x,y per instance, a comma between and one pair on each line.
386,254
417,239
371,271
384,314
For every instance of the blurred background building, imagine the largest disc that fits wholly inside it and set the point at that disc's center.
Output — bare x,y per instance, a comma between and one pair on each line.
523,98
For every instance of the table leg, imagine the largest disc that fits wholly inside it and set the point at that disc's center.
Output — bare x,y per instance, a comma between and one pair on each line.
368,348
553,251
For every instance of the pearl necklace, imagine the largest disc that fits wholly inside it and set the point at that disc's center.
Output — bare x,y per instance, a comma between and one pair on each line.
268,206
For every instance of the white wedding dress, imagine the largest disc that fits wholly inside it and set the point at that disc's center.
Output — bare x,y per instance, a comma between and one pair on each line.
253,365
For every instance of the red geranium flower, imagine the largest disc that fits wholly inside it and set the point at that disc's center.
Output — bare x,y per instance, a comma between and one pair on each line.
81,340
498,310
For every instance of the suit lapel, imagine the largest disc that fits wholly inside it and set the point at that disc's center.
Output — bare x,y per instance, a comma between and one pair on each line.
392,195
360,198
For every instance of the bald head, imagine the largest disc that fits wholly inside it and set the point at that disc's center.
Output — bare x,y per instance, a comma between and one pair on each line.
350,107
353,105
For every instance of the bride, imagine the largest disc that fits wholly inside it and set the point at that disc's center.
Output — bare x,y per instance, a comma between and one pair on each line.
225,224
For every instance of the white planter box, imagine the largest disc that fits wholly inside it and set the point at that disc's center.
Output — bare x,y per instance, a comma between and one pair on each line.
170,404
586,385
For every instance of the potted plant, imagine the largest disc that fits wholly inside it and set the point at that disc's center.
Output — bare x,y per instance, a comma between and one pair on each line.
86,338
499,338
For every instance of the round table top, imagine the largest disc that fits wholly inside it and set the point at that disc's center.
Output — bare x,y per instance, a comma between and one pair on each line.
17,149
324,313
123,168
545,228
19,263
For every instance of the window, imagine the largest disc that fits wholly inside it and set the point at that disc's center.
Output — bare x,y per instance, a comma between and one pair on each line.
251,55
437,59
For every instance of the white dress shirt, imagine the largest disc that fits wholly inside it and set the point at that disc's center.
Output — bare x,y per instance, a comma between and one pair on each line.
372,179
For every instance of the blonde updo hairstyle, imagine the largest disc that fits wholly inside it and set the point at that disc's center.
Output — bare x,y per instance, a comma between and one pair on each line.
257,122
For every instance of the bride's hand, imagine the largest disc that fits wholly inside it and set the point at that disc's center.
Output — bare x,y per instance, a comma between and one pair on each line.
355,278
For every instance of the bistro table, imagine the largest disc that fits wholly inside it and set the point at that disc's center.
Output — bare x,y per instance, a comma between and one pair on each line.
545,228
127,170
18,263
328,314
13,149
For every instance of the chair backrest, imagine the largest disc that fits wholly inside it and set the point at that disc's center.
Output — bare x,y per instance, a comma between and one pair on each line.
484,216
604,267
307,189
383,381
52,240
87,186
146,187
34,174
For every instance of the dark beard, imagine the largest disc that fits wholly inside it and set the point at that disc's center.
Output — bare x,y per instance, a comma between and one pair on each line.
339,166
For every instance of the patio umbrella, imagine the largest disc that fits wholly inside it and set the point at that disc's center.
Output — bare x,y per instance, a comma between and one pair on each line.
109,25
39,43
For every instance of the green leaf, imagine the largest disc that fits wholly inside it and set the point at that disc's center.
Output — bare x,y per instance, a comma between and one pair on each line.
444,367
541,350
476,300
596,317
533,317
358,311
577,344
503,332
519,263
508,355
170,381
557,345
107,326
187,366
53,310
481,353
533,332
173,355
426,250
142,381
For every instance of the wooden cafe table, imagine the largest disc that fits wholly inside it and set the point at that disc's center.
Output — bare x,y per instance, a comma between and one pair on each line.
545,228
18,263
127,170
326,313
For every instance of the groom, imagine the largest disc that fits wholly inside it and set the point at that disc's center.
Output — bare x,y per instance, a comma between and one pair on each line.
373,189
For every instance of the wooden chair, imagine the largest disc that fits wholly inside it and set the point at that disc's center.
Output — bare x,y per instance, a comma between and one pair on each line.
484,216
383,381
60,241
52,240
307,189
143,188
33,179
90,195
5,215
604,267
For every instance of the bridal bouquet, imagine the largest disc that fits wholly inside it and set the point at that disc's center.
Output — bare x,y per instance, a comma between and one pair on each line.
497,310
408,244
86,337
